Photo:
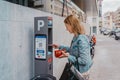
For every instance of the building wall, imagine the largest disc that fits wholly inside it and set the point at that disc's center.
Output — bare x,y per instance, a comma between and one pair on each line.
46,7
108,22
93,24
56,7
117,17
16,41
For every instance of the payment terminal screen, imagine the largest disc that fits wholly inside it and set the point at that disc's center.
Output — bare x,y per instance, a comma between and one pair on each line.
40,47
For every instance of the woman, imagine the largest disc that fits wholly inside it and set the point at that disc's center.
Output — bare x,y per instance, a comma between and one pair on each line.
79,51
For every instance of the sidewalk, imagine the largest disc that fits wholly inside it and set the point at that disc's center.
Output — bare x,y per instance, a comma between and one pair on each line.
106,64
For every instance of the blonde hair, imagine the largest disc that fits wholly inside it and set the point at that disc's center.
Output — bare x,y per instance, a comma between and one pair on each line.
77,27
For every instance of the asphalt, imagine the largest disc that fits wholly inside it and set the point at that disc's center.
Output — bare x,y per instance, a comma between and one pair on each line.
106,64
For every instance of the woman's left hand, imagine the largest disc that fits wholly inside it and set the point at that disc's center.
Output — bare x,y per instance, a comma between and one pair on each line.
64,54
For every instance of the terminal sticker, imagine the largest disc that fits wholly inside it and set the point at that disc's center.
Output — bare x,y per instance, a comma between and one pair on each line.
40,47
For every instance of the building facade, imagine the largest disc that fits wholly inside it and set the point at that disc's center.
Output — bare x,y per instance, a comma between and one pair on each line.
60,7
117,18
111,19
108,20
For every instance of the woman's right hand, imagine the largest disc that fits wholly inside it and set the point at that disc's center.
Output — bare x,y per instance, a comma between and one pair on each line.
55,46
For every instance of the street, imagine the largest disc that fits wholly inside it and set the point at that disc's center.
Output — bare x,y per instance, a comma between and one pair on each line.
106,64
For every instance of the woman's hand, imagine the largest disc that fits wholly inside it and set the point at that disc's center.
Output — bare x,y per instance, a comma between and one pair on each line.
64,54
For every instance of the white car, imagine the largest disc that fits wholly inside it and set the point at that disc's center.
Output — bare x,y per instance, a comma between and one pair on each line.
107,31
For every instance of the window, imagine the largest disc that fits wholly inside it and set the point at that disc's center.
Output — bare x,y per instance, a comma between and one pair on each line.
94,19
29,3
51,7
100,13
94,29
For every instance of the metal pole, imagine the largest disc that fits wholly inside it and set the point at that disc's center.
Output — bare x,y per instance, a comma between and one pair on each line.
67,7
26,2
63,7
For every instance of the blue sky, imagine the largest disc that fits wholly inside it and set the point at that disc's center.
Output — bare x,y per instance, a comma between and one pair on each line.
110,5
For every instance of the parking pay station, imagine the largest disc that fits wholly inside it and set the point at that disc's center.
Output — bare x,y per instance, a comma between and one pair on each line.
42,45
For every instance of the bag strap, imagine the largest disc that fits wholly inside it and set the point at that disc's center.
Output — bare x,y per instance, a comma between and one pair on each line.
77,64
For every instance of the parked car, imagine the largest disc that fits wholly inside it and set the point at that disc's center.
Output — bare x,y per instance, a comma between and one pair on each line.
117,34
112,32
107,31
102,30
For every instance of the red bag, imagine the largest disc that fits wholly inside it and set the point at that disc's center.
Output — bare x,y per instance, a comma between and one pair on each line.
58,53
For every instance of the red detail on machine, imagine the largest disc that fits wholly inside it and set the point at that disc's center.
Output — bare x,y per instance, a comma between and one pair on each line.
50,60
49,18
